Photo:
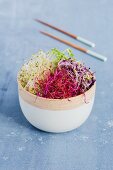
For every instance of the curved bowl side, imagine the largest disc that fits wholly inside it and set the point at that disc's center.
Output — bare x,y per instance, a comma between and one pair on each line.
56,120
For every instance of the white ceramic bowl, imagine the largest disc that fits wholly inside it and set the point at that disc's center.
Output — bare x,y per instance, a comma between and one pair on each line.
56,115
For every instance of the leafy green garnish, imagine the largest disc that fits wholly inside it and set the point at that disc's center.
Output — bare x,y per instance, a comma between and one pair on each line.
70,53
59,55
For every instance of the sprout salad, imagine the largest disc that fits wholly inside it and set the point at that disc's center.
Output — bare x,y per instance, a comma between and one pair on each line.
55,75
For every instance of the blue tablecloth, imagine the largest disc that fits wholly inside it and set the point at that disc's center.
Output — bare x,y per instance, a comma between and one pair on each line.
23,147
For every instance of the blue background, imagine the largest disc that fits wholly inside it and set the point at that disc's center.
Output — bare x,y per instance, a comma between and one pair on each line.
22,146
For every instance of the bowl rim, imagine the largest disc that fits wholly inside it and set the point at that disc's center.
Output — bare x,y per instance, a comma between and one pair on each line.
50,99
56,104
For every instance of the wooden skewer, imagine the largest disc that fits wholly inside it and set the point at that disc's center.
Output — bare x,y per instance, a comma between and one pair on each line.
94,54
67,33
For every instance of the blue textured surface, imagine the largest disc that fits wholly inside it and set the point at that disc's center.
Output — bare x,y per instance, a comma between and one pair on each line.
22,146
